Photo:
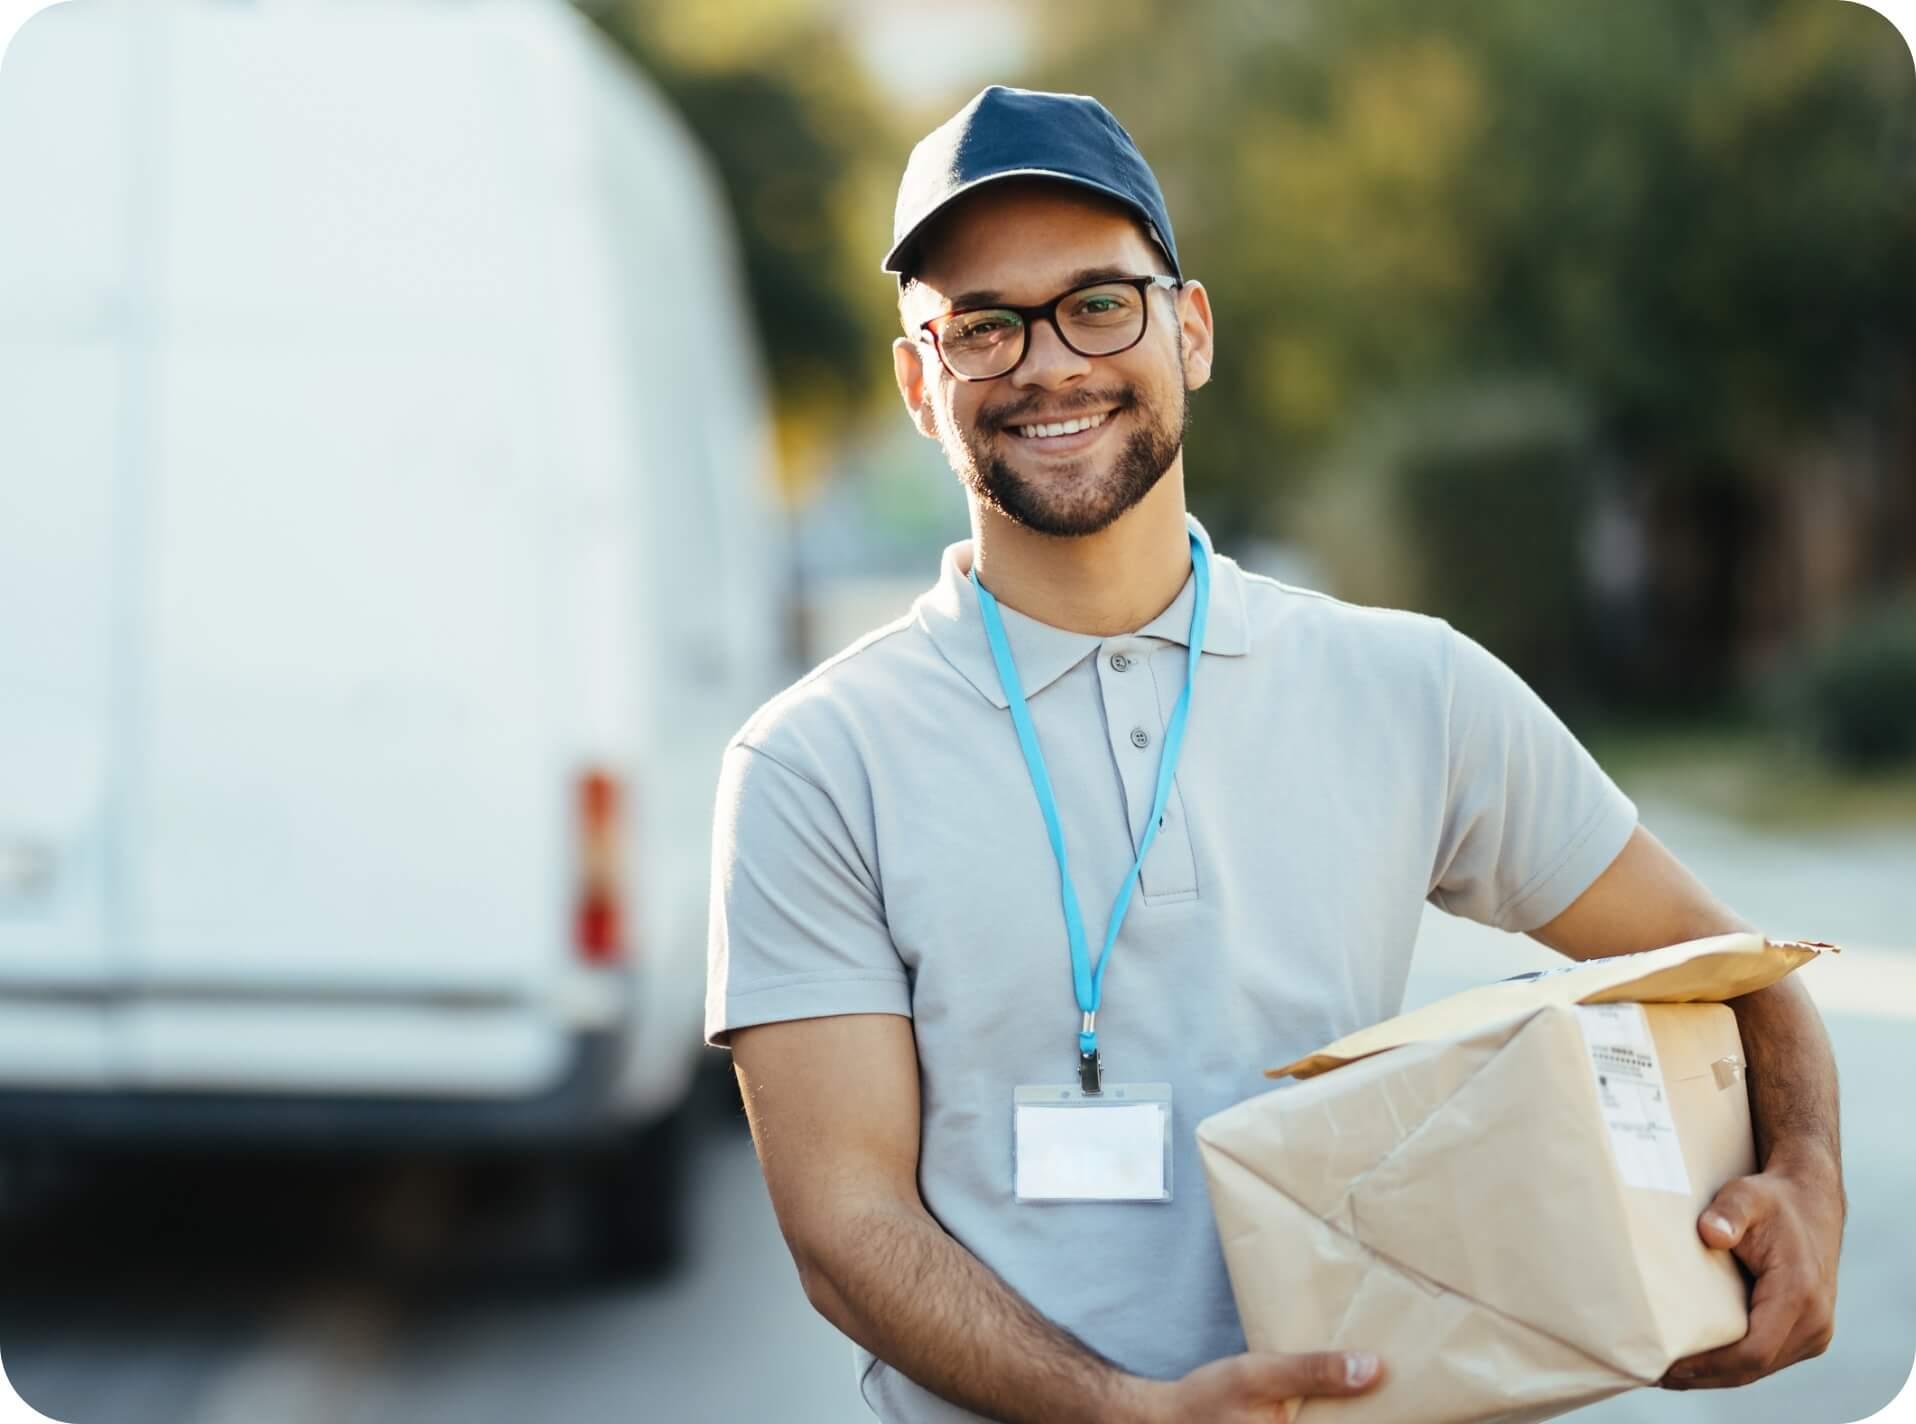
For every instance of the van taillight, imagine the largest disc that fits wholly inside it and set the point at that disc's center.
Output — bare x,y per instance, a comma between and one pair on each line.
599,926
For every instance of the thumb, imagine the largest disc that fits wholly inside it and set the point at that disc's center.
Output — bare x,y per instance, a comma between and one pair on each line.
1325,1374
1730,1215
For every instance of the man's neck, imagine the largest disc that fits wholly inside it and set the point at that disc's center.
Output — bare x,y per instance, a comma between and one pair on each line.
1114,581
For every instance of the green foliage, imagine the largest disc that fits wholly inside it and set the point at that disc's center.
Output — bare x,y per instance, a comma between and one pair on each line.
1471,499
1701,215
1853,696
1497,510
1429,231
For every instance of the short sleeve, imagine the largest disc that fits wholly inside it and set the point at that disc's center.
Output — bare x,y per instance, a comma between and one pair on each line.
797,926
1530,820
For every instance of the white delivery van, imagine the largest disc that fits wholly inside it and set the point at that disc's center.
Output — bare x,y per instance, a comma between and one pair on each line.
384,559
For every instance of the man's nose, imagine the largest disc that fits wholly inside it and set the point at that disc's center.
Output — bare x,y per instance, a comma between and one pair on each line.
1048,363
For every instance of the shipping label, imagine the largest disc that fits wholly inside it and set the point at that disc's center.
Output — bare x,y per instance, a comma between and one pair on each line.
1630,1092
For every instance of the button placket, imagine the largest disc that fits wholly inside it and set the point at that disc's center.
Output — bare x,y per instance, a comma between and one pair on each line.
1130,711
1170,870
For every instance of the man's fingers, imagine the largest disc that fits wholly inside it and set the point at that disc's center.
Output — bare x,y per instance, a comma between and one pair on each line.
1268,1386
1773,1318
1329,1373
1726,1222
1793,1305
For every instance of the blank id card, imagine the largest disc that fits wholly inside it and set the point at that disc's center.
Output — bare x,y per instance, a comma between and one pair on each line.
1068,1146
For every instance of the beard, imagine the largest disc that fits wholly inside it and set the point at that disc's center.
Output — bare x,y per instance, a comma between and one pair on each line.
1073,502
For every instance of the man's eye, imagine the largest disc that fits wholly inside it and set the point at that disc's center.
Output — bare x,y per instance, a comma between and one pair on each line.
1102,308
982,328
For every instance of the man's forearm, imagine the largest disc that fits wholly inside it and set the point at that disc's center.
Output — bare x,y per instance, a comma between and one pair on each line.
899,1285
1792,1077
1647,898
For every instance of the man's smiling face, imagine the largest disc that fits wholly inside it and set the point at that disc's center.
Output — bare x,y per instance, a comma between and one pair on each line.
1063,444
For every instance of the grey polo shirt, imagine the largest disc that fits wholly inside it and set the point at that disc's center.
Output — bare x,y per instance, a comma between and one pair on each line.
878,849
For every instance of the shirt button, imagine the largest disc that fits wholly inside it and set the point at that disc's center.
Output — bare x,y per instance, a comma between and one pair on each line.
1140,738
1119,662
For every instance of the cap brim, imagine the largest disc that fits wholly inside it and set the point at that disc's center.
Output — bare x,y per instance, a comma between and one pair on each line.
894,260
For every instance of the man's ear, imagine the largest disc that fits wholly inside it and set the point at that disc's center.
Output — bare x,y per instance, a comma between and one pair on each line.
908,365
1194,325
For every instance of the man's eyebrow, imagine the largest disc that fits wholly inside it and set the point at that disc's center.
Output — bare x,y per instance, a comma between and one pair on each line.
1083,277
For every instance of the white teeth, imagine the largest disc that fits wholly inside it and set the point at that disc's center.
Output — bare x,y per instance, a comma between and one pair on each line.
1063,427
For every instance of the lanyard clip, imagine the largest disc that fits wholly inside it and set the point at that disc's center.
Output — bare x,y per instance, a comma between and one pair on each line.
1091,1072
1090,1061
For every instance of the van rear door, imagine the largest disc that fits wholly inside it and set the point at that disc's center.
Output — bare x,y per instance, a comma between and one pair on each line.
57,734
353,857
354,833
64,534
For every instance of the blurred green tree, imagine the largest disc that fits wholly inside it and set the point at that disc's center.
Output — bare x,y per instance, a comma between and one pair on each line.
1699,219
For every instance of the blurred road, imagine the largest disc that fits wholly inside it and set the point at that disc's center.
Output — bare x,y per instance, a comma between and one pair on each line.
280,1292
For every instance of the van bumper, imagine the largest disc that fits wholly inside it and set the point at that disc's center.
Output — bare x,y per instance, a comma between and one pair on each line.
578,1108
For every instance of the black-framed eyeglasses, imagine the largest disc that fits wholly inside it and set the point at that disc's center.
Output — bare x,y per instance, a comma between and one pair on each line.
1100,319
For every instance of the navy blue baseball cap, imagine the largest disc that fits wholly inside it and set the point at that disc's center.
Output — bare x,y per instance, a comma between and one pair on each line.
1025,133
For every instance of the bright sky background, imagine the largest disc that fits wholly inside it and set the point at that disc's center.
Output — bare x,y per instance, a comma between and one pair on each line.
937,55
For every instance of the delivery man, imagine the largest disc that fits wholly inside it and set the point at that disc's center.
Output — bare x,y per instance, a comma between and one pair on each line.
1015,890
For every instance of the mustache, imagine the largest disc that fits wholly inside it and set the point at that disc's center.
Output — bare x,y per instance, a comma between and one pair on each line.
1020,412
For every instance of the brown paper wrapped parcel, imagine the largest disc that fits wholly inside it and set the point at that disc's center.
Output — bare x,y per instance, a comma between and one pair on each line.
1498,1193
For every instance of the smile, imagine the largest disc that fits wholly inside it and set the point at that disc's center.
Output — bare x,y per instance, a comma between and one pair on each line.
1057,429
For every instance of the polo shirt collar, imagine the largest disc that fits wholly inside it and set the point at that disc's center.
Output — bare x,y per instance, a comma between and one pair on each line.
949,614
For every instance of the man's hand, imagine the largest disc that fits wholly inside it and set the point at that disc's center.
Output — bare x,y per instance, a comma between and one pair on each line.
1252,1389
1786,1225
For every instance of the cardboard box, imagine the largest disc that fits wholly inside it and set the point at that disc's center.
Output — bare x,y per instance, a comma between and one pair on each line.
1498,1193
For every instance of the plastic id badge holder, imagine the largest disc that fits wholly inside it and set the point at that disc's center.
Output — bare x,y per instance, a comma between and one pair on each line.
1071,1146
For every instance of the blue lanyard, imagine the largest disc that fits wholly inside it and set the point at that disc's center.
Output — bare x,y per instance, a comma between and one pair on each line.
1086,981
